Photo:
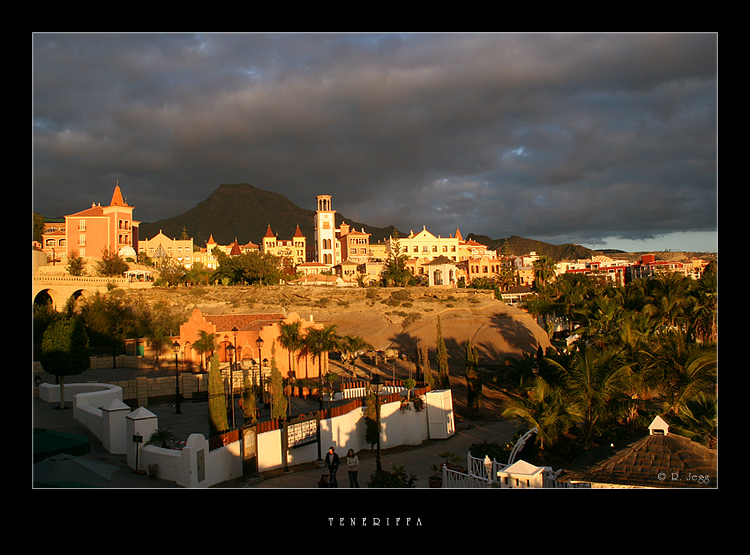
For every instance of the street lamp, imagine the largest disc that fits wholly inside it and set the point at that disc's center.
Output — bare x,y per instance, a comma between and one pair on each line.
259,342
319,349
376,386
176,349
488,467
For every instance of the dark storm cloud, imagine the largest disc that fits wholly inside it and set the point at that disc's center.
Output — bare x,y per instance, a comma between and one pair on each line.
564,137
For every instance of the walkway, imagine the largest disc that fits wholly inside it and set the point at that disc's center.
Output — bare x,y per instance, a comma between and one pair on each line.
416,460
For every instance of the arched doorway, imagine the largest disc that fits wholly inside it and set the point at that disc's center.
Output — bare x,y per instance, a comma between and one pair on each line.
43,298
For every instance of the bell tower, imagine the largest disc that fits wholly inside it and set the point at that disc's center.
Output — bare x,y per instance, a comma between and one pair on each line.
325,231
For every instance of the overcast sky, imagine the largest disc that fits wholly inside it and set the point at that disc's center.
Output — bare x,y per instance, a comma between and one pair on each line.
602,140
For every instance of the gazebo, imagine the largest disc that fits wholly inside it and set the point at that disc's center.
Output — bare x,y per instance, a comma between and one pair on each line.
659,460
441,272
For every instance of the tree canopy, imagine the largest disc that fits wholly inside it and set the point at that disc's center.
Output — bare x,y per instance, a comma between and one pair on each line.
632,352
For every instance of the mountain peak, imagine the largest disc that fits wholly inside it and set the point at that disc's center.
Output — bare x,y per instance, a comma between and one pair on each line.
242,211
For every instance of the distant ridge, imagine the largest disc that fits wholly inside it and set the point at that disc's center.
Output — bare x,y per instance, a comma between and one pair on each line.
243,212
519,245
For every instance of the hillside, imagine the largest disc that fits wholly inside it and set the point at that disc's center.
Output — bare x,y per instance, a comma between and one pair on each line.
241,211
519,245
384,319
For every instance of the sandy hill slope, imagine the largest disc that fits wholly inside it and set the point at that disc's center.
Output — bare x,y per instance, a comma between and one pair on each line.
387,318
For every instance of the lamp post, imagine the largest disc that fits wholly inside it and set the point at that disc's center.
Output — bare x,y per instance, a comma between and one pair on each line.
319,349
234,334
259,342
176,349
376,386
488,467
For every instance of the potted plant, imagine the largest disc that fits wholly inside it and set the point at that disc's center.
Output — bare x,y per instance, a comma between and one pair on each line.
436,480
452,460
396,478
161,437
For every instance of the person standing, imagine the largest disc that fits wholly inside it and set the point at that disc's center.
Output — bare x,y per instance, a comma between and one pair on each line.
332,464
352,466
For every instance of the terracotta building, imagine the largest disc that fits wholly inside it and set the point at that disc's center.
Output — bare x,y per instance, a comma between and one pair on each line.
242,332
99,228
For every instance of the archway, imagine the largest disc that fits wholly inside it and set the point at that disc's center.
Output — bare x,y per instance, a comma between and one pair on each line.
50,296
78,298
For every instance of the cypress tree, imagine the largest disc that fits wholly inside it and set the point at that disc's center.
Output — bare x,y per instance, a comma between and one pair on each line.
423,364
473,378
442,359
278,401
217,404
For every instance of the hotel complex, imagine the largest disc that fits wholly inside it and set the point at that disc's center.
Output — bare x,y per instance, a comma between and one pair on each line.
338,255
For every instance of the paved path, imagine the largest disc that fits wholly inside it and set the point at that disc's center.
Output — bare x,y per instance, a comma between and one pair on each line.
415,460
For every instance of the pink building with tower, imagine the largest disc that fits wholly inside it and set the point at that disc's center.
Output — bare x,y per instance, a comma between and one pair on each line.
91,232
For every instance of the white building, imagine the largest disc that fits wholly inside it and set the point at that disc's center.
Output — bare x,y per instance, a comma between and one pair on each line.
325,232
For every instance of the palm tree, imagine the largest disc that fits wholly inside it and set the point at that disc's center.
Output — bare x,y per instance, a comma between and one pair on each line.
598,382
668,297
698,420
161,437
544,271
702,306
544,408
290,337
320,341
599,318
686,370
205,345
517,376
351,345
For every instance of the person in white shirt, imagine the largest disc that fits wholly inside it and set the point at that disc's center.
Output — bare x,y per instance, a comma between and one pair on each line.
352,466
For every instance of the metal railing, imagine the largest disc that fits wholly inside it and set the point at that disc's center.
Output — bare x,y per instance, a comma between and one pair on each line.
482,473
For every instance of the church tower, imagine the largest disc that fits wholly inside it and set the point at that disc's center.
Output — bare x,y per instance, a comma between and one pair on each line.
325,231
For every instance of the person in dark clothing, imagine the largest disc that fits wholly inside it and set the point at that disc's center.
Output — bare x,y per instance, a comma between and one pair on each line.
332,464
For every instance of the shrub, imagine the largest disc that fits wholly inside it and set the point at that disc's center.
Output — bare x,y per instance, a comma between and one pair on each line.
491,449
396,478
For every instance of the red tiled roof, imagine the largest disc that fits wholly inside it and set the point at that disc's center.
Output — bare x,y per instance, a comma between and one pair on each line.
117,199
243,322
93,211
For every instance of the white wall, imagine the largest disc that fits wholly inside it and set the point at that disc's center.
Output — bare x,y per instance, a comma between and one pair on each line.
182,466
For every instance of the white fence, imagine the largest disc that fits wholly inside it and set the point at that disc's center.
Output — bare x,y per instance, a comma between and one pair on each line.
100,408
483,473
